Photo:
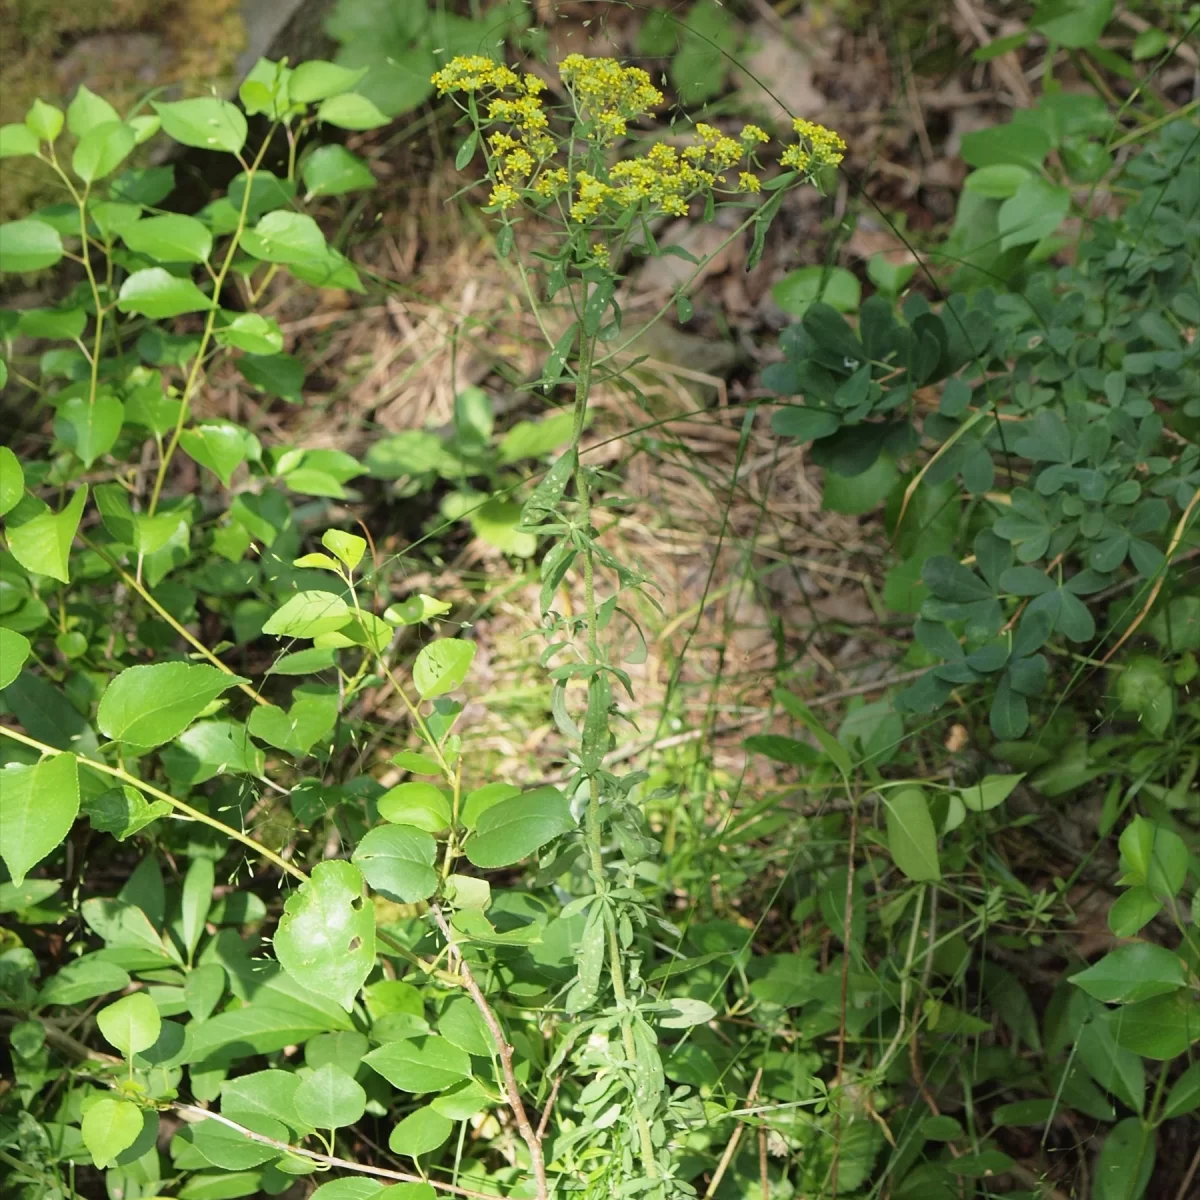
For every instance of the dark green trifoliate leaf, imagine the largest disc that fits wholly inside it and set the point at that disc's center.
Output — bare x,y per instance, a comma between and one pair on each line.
398,862
1154,857
518,827
148,705
206,123
330,1098
131,1024
912,838
40,804
1126,1161
441,666
326,936
155,292
1184,1096
420,1132
424,1064
172,238
333,171
109,1127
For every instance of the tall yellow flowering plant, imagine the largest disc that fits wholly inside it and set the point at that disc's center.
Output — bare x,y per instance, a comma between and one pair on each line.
564,162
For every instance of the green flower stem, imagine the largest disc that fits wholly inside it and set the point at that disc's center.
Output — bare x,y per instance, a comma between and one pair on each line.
86,259
594,833
193,377
190,638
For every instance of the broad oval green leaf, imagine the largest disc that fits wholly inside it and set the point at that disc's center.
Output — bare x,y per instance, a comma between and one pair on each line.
351,111
308,615
912,838
420,1132
424,1064
218,445
333,171
155,292
87,110
171,238
326,936
317,80
398,862
130,1024
516,828
90,429
419,804
28,245
206,123
102,150
330,1098
38,805
442,666
1131,973
251,332
109,1127
148,705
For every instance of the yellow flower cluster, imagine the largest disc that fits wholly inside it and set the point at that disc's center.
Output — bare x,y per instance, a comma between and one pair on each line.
473,73
818,147
607,96
608,93
600,254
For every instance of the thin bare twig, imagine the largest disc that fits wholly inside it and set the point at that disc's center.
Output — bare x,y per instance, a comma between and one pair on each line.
732,1145
541,1129
532,1140
203,1114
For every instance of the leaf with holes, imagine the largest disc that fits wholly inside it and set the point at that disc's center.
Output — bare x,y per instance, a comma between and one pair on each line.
326,936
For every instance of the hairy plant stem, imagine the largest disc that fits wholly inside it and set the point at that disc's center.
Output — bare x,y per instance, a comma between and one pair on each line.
594,832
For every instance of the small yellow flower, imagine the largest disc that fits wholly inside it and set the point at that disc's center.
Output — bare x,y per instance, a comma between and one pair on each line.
472,73
504,196
600,254
748,182
824,148
550,183
752,133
